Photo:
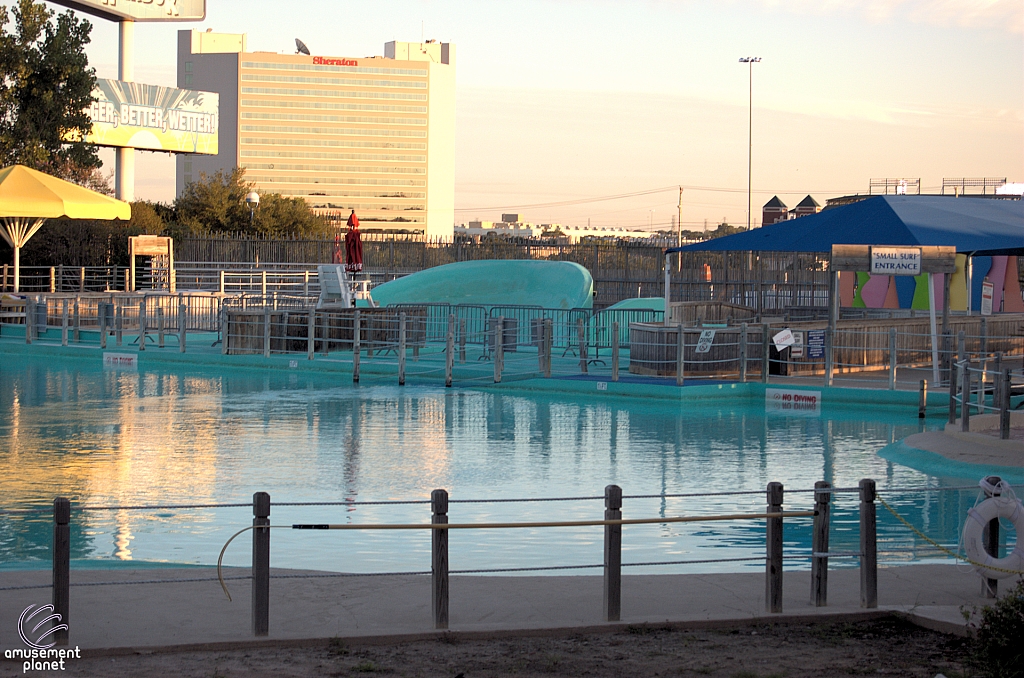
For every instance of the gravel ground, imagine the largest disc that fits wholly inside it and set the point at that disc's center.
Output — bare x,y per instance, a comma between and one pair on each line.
880,647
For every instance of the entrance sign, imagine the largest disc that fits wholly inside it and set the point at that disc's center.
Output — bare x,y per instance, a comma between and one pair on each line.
895,261
933,259
133,115
707,337
140,10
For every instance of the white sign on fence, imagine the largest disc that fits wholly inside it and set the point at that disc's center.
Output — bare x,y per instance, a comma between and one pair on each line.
783,339
125,361
895,261
707,337
986,298
792,401
797,349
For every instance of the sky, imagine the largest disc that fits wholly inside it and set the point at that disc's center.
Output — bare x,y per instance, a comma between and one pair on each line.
573,111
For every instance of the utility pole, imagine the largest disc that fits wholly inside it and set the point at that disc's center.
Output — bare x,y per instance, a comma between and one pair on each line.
679,221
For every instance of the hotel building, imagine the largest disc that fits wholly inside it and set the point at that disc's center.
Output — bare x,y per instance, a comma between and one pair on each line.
374,134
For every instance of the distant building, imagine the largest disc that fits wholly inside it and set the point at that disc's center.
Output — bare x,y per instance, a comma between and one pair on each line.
806,206
513,226
370,134
774,210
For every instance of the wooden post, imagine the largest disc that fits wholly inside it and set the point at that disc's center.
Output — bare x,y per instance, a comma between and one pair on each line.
449,351
310,333
61,566
965,400
892,358
773,542
997,382
53,280
612,554
868,546
63,322
142,324
260,564
1004,405
305,283
182,323
102,312
549,326
81,278
439,558
954,378
76,334
223,329
30,318
765,353
581,338
356,346
263,285
961,346
615,351
401,349
160,326
499,332
220,282
118,324
819,543
462,341
743,352
680,347
266,329
922,399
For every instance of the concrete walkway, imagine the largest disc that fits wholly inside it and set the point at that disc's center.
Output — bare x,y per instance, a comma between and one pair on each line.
151,616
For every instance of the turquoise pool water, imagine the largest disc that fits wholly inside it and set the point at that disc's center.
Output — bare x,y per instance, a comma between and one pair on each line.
214,435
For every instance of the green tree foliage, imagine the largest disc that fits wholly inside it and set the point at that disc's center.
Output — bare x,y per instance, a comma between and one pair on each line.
216,204
45,88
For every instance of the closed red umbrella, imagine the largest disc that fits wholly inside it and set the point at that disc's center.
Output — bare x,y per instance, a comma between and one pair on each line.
353,245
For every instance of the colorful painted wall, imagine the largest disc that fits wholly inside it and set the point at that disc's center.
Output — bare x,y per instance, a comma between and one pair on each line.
862,290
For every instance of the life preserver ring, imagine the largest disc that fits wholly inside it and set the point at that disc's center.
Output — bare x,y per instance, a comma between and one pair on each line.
978,518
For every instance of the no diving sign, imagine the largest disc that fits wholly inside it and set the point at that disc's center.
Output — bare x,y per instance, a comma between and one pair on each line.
707,337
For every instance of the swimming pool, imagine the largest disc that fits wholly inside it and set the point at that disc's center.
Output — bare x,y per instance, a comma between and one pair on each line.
191,435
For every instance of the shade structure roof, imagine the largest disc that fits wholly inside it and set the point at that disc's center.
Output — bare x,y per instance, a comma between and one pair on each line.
28,193
972,225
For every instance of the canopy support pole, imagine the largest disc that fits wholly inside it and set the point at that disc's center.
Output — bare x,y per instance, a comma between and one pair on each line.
17,231
931,318
668,284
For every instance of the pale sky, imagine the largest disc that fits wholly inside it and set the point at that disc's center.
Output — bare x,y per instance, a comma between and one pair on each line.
564,101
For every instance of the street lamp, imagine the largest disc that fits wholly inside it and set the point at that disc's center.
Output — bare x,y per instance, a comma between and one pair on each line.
252,199
750,129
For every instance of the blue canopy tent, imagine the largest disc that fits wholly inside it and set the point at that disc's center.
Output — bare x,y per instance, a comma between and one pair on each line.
974,226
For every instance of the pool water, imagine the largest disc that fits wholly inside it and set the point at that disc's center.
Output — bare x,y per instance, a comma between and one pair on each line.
216,435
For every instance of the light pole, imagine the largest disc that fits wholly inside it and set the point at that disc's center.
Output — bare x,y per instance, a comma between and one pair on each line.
650,219
750,129
252,199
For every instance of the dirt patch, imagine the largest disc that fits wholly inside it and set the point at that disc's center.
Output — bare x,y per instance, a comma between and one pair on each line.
879,647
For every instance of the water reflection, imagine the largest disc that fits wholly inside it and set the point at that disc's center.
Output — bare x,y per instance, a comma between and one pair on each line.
105,437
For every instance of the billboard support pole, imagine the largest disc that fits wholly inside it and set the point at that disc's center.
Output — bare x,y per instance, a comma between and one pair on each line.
124,168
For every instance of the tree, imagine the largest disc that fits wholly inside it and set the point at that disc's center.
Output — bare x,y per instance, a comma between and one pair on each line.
45,88
216,204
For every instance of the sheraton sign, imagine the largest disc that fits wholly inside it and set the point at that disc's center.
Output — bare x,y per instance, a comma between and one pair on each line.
326,61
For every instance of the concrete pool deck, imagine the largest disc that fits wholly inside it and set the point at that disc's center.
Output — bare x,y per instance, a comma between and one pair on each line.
146,617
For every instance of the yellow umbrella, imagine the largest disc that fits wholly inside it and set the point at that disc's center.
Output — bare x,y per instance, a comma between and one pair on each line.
28,198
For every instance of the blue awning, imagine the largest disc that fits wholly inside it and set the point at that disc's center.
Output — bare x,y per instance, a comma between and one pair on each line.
973,225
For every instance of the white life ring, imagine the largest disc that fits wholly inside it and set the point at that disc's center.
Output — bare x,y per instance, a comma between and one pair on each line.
978,519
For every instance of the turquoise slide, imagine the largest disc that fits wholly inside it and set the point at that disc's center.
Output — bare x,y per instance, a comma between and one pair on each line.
493,282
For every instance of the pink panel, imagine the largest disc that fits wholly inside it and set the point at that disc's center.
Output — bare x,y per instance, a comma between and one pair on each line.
997,276
874,291
1012,302
847,282
892,299
939,283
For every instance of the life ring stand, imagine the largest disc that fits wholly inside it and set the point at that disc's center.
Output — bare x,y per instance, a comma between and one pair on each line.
1001,503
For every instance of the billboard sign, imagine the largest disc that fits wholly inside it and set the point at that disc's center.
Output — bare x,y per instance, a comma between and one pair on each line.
154,118
140,10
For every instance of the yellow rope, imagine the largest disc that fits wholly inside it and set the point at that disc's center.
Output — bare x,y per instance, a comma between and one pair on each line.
940,546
